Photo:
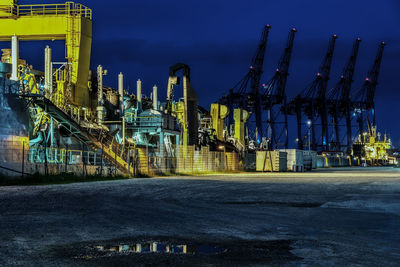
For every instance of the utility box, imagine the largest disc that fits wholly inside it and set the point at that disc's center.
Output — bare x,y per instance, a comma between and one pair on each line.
294,158
309,160
271,161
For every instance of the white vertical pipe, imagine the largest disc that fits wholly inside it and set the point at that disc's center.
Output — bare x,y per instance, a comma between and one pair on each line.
47,72
123,130
139,90
155,98
121,92
14,57
99,85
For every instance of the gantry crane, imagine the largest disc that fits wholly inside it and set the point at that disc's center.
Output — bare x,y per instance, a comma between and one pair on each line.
312,102
363,100
71,22
339,101
274,95
245,94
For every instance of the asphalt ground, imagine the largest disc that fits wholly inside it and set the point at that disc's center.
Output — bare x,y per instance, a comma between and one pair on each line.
328,217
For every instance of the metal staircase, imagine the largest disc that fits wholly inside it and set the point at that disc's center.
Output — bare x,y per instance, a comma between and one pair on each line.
94,138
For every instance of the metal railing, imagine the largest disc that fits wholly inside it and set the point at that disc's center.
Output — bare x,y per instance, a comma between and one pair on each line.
140,122
69,8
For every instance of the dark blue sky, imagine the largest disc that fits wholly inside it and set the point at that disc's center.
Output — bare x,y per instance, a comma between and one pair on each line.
218,38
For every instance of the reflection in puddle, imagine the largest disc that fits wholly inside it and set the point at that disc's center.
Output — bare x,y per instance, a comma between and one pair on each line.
158,247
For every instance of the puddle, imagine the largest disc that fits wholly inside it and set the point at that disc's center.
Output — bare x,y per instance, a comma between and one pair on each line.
159,247
178,252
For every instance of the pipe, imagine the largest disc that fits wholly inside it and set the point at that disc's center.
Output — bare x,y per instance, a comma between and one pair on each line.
47,72
14,57
139,91
155,98
37,140
100,108
121,92
123,131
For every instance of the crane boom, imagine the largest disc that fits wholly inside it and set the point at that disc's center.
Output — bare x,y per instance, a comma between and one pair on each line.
258,61
312,100
339,103
274,94
319,85
364,97
275,87
341,92
245,94
253,98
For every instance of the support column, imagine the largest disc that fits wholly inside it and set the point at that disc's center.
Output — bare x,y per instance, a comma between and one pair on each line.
48,81
299,133
337,131
100,108
286,124
162,150
349,130
121,92
14,57
139,93
155,98
123,131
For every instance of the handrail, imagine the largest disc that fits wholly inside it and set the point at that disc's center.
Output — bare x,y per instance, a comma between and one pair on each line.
69,8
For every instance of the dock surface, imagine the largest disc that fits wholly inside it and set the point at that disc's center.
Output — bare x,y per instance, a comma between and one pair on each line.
328,217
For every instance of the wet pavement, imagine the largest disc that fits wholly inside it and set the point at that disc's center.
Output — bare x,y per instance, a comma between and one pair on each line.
327,217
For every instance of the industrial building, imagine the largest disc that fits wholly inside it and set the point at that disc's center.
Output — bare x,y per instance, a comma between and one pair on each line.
64,119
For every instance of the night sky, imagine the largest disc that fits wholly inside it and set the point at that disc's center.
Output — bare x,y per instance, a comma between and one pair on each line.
217,39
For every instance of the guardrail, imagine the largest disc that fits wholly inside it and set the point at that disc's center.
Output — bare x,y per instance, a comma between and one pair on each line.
69,8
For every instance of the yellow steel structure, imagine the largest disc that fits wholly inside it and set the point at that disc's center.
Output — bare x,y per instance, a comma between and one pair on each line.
71,22
218,114
375,149
240,116
178,110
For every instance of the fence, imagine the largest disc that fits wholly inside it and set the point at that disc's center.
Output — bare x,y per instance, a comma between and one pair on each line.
16,159
186,160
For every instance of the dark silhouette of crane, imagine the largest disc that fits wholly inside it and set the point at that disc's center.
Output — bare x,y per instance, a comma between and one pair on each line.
339,100
312,102
363,99
245,94
274,98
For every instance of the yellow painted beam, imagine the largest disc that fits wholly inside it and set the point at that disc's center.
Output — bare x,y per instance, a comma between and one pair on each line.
218,113
240,117
30,28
